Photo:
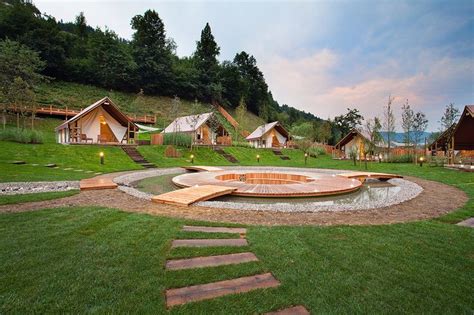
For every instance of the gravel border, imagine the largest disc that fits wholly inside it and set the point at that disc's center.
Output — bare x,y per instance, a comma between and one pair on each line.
20,188
408,191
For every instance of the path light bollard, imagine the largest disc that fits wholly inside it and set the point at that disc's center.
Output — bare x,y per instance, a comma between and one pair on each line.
258,158
305,158
192,158
101,154
421,160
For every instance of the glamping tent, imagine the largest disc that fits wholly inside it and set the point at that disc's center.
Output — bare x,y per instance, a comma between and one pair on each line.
356,138
101,122
204,129
459,137
271,135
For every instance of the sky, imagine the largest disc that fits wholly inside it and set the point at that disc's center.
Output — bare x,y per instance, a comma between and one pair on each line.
323,56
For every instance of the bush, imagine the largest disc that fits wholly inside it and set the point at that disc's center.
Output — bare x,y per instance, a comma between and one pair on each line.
243,144
178,139
316,151
21,136
405,158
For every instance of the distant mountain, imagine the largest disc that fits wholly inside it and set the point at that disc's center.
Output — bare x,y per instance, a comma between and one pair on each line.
400,137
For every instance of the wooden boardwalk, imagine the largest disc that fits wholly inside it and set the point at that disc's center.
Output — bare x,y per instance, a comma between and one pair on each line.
97,183
198,168
187,196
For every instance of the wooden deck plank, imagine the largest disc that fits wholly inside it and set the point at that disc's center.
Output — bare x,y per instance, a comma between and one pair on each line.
97,183
210,261
213,229
216,289
234,242
193,194
295,310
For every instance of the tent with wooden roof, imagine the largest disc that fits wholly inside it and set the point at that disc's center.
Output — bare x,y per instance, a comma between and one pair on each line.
101,123
271,135
459,136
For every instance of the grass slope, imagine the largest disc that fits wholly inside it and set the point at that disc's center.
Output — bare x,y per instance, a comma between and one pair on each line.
12,199
76,96
77,260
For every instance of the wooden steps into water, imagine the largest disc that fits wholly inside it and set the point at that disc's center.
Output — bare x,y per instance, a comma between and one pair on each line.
210,261
216,289
362,176
213,242
202,168
187,196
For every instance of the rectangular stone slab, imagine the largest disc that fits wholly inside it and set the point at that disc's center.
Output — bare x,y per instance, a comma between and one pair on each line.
210,261
212,290
209,229
234,242
295,310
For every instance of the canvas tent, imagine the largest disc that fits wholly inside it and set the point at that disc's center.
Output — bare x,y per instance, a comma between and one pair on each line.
204,129
271,135
101,122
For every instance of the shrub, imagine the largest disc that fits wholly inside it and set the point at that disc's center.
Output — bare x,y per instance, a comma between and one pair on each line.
316,151
21,136
405,158
179,139
243,144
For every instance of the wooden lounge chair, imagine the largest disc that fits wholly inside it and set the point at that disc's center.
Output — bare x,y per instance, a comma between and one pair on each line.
84,138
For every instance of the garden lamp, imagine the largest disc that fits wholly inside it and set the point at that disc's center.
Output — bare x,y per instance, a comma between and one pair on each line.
258,158
101,154
192,158
421,160
305,158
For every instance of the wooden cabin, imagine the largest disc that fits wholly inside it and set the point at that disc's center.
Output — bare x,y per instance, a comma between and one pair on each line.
99,123
459,137
271,135
205,129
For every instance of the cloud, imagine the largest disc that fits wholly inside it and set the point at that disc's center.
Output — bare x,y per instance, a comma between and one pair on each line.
311,84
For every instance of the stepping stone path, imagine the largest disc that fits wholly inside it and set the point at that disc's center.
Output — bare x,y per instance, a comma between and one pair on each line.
469,222
194,293
295,310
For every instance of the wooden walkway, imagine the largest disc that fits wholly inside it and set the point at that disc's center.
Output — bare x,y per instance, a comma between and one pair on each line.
97,183
198,168
187,196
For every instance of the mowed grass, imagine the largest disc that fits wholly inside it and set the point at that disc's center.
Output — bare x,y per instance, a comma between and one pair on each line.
77,260
11,199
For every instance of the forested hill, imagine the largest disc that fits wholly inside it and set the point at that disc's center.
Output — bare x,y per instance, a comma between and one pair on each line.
76,52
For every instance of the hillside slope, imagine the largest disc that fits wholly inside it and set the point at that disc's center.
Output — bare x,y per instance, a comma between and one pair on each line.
76,96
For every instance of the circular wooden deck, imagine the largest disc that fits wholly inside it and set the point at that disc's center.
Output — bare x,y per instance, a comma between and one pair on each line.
272,183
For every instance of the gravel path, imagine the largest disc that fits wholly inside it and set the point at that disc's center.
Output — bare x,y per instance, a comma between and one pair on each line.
18,188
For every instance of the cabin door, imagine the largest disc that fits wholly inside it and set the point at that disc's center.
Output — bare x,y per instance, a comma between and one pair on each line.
106,134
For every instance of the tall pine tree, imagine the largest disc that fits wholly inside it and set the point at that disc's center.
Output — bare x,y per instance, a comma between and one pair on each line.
207,65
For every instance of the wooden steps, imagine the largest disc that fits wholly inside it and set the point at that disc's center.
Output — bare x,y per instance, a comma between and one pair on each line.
213,229
295,310
212,242
187,196
216,289
210,261
229,157
136,156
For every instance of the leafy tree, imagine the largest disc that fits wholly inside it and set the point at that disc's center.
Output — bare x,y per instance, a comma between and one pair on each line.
450,116
407,122
240,113
207,65
420,123
324,132
19,73
304,129
153,54
352,119
81,25
389,122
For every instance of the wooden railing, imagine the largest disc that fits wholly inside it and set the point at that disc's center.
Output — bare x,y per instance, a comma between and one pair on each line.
68,113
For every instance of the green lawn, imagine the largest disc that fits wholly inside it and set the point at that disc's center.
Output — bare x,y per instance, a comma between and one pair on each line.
11,199
77,260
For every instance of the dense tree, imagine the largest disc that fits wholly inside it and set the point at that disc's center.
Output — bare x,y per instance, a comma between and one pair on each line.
207,65
450,116
350,120
153,54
